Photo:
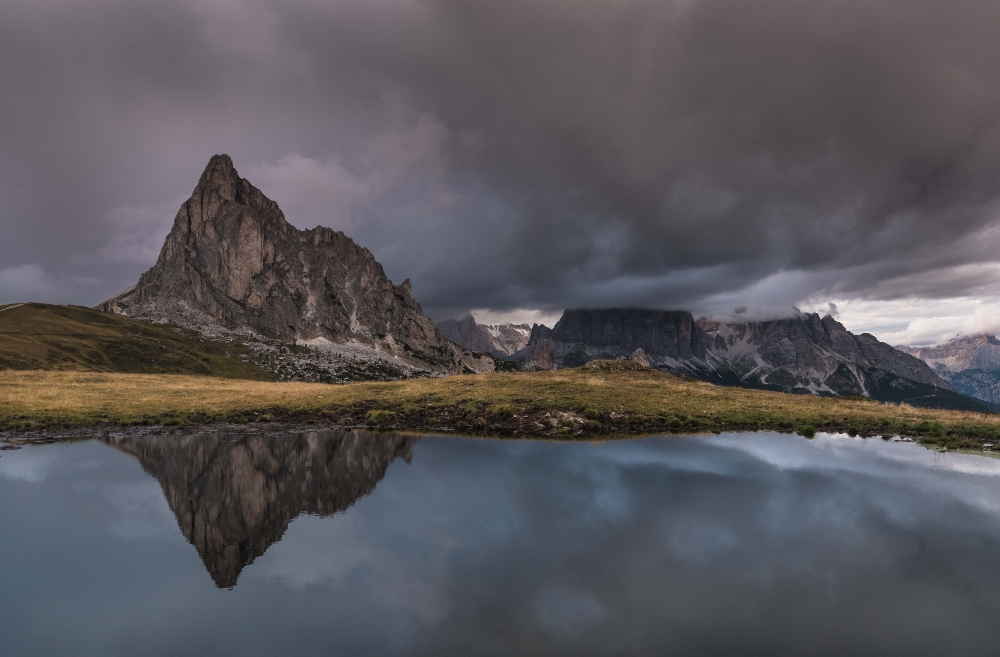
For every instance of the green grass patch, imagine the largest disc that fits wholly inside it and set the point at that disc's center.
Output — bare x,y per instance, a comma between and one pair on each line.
379,417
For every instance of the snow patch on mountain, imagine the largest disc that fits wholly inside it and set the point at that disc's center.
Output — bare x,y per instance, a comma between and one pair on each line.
498,339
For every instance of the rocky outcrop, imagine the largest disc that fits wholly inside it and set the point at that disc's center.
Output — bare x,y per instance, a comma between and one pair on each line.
501,340
234,496
805,354
537,354
639,357
970,363
232,260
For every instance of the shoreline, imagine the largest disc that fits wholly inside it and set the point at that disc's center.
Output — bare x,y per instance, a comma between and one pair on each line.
285,427
604,399
17,440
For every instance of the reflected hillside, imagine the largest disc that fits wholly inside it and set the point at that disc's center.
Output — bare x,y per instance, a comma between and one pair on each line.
234,495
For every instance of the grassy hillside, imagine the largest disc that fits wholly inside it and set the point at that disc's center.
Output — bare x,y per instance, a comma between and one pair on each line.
36,336
601,398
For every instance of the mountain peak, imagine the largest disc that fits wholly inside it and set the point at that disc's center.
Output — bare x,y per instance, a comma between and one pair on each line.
220,174
971,363
222,163
975,338
501,340
232,260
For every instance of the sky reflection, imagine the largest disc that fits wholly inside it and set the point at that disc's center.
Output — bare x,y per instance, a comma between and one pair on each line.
709,545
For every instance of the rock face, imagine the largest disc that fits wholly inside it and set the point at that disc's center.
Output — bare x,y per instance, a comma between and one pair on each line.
812,350
501,340
234,496
805,354
232,260
970,363
537,354
668,338
639,358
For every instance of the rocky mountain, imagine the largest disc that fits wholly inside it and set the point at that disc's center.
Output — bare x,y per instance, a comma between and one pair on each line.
232,261
234,496
501,340
970,363
806,354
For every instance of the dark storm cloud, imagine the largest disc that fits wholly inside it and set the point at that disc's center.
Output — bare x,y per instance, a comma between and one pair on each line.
520,154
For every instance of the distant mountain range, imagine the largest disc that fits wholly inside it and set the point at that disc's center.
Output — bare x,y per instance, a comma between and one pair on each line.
233,263
314,305
501,340
969,363
803,354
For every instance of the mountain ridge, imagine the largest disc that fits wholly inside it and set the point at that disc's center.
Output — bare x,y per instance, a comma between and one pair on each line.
805,353
971,363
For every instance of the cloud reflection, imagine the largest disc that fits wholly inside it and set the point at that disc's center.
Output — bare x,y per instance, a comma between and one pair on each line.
704,545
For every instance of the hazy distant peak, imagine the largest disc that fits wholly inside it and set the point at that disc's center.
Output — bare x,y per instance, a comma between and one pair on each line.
497,339
971,363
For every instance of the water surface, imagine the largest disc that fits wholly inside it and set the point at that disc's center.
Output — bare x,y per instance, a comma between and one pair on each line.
361,543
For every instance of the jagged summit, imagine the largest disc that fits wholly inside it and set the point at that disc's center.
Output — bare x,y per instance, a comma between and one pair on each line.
976,351
232,260
501,340
971,363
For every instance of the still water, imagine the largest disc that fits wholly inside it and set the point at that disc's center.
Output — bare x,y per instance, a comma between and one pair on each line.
368,544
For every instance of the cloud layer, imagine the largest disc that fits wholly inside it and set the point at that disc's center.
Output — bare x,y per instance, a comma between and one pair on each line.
694,153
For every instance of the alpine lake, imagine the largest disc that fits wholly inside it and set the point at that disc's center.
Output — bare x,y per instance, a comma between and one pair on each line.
363,543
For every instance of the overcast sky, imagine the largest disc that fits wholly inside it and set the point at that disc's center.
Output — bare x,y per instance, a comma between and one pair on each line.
520,157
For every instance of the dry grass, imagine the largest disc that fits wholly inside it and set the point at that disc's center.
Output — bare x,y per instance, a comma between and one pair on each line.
600,398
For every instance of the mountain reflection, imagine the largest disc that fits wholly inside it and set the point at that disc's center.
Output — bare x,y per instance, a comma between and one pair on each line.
234,495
